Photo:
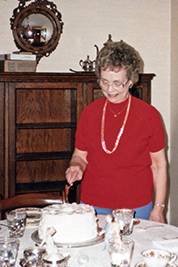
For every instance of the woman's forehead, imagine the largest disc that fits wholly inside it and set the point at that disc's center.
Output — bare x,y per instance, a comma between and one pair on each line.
114,73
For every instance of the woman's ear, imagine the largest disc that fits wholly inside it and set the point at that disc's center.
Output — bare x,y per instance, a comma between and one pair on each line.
130,85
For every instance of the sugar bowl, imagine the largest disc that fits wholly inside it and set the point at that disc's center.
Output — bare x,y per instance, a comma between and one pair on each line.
33,257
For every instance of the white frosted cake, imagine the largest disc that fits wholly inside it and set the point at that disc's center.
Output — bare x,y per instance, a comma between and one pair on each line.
73,222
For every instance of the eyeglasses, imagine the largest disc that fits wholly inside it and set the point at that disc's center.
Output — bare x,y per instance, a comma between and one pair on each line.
115,85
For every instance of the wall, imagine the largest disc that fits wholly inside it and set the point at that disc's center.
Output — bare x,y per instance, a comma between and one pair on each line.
146,25
173,115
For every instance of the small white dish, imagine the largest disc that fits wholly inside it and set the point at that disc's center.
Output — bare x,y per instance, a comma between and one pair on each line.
142,264
33,216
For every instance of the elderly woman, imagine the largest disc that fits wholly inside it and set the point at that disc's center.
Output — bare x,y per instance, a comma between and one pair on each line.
119,149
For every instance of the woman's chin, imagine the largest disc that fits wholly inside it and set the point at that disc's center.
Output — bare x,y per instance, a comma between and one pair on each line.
114,99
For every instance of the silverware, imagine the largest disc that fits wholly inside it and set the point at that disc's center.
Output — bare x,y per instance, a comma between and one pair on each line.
2,224
148,227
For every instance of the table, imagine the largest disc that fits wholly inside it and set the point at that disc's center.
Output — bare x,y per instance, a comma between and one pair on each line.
146,235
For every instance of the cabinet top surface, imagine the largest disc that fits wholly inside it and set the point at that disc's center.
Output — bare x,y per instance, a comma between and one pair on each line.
59,77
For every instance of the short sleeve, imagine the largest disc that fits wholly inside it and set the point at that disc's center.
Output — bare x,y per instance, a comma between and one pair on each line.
80,135
157,133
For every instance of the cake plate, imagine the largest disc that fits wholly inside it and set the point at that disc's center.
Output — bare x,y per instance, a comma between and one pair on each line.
90,242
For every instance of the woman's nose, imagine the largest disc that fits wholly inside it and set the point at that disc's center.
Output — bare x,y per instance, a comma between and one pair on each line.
110,88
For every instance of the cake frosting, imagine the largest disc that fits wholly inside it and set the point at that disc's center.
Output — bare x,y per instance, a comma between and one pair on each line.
73,223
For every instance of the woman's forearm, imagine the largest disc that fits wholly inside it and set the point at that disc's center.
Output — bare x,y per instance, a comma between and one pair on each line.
160,184
78,161
77,167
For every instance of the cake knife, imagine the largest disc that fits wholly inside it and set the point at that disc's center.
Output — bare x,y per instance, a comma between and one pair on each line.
67,187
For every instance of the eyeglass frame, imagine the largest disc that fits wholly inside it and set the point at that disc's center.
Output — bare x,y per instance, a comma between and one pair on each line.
113,84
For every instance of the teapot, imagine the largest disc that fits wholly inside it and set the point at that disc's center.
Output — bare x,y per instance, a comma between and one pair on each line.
106,43
87,65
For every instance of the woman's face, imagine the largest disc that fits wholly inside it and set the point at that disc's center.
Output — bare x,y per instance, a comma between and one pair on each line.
115,85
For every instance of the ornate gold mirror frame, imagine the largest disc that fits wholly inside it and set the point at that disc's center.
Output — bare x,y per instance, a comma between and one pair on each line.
36,27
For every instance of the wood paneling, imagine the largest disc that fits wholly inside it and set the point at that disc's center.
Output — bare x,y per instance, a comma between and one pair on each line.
41,170
44,140
46,105
2,140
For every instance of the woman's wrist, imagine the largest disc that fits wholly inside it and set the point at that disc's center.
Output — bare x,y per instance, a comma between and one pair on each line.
159,205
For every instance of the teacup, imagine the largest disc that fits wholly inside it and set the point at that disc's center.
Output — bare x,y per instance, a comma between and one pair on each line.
158,257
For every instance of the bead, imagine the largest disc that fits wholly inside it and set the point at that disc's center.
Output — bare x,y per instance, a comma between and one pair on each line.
120,132
159,205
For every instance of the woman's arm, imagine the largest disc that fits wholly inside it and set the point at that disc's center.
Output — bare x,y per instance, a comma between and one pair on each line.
77,167
160,183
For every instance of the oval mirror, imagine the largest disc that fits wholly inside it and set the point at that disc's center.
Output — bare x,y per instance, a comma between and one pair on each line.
36,27
36,30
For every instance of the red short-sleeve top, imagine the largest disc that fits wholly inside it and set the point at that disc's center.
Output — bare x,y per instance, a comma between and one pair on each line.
122,179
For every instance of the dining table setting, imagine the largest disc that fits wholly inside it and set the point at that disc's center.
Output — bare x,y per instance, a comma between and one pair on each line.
145,236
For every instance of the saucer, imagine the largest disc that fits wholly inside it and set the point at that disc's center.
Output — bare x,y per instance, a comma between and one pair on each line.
142,264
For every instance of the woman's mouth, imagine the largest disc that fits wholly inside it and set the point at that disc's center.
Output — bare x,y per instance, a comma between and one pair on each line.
112,95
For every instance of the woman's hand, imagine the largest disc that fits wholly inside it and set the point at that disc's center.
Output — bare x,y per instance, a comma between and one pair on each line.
74,173
157,215
77,167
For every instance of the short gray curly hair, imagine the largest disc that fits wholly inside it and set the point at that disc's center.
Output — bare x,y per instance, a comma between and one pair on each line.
116,56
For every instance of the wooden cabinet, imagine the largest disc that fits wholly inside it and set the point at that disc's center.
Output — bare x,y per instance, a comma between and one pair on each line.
39,114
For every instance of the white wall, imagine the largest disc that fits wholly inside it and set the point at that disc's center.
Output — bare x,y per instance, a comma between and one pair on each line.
174,115
146,25
143,24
